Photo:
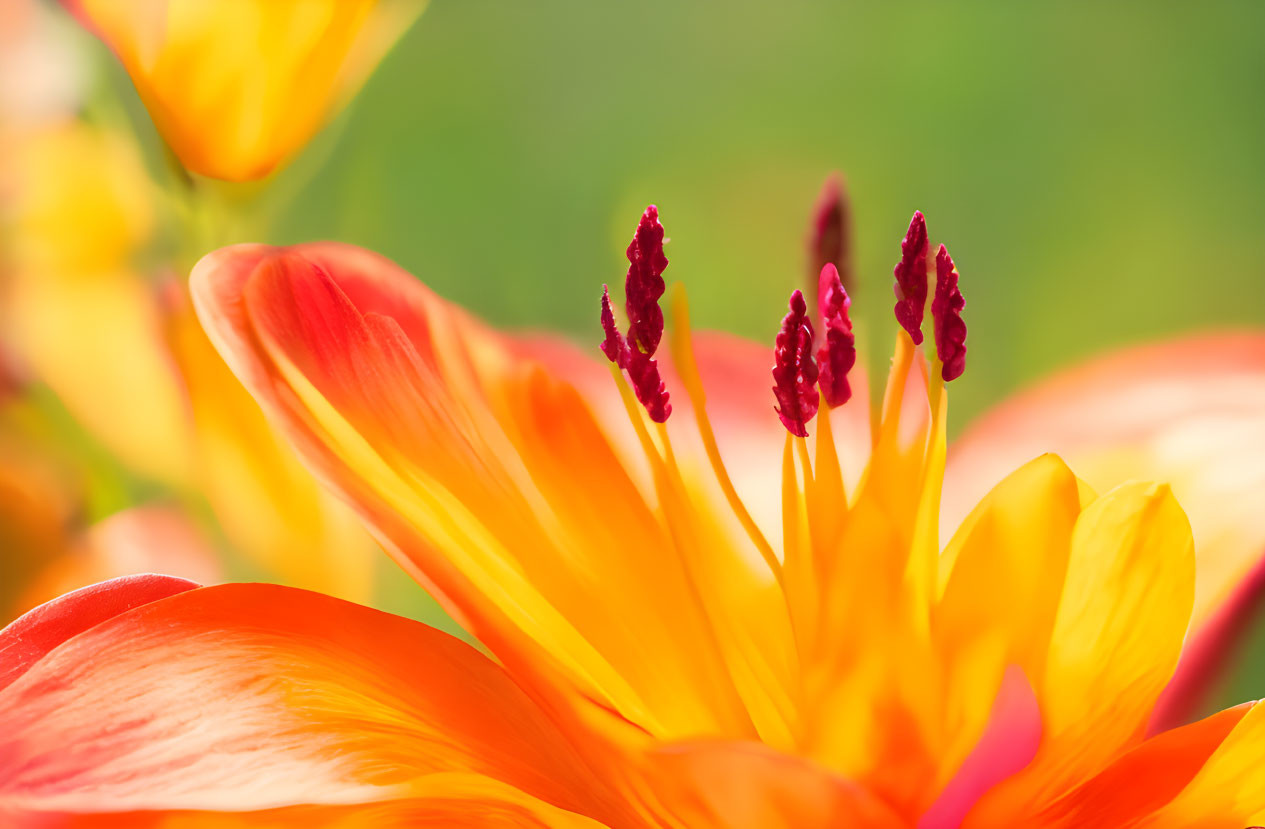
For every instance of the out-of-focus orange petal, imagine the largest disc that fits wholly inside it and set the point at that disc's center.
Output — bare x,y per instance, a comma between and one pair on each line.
268,504
151,539
238,86
1228,792
751,786
1189,412
248,697
435,430
36,508
1142,780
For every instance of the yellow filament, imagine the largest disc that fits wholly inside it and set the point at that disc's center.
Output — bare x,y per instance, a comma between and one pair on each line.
894,394
827,472
672,494
682,349
922,568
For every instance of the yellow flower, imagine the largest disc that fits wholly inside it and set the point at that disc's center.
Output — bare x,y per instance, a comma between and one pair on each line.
236,87
131,364
666,647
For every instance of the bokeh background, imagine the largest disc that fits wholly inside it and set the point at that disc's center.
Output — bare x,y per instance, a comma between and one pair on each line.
1097,169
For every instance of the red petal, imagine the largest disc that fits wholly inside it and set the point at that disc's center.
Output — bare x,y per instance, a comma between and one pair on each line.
31,636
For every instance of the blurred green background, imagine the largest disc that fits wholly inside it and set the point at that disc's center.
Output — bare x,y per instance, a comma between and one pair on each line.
1096,169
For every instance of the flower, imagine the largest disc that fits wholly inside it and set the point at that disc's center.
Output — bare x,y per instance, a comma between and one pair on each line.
663,650
236,87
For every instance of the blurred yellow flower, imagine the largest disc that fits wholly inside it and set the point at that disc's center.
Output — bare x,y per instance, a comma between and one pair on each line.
79,205
238,86
134,369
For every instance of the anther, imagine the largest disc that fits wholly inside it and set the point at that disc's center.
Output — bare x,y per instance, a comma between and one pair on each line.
830,232
794,371
643,286
911,278
946,317
837,353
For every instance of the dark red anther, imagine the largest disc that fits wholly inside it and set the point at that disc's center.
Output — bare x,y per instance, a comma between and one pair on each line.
794,371
911,278
642,289
830,232
643,371
837,353
644,284
946,318
614,346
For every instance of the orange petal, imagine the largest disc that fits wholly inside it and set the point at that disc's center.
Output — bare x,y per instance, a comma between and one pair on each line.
1143,780
458,800
238,86
489,480
1190,412
750,786
249,696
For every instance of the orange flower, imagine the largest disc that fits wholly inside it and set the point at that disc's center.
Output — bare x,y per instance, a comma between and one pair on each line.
236,87
665,649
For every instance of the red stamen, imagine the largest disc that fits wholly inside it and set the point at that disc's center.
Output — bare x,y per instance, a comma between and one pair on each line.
794,371
830,233
643,371
946,317
911,278
615,347
838,353
642,289
644,284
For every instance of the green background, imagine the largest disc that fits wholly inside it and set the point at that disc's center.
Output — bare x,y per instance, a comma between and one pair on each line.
1096,169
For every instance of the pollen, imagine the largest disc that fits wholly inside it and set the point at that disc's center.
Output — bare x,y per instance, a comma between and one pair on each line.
794,369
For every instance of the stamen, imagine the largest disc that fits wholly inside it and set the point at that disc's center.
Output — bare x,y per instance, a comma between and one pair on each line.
830,232
911,278
615,347
838,353
946,316
644,284
687,368
794,370
643,371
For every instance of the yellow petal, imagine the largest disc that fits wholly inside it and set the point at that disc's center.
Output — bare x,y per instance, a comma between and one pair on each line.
238,86
1115,642
1188,412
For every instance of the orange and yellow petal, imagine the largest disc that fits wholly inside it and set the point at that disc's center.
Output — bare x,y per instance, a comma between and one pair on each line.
253,697
738,785
236,87
489,478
